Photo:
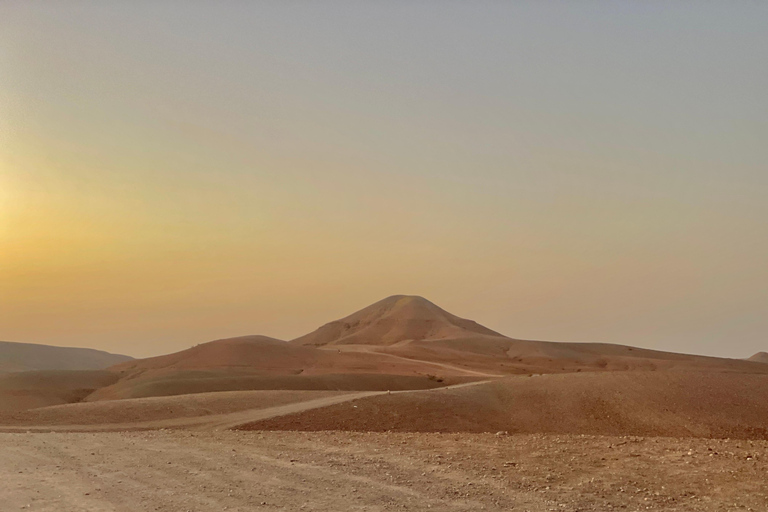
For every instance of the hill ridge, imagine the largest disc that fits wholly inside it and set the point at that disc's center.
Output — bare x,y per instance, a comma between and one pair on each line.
20,357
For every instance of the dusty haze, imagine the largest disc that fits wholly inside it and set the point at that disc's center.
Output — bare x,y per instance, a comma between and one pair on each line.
553,171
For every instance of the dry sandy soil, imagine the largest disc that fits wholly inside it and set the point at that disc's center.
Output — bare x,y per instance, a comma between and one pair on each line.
201,411
186,409
661,403
172,471
27,390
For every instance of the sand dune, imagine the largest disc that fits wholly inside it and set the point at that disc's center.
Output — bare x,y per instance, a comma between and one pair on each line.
678,404
22,357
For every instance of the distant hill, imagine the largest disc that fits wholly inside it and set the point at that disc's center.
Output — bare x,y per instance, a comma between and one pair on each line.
760,357
267,356
393,320
22,357
254,352
413,328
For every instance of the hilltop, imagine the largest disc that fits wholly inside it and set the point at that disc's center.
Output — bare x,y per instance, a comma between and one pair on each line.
392,320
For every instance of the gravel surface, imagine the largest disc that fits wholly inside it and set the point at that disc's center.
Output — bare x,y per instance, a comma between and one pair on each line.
337,471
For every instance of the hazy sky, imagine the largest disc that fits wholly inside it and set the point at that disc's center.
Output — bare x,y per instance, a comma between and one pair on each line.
176,172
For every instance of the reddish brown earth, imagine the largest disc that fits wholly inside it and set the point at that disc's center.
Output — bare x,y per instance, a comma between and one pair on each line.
134,410
258,362
27,390
668,403
171,383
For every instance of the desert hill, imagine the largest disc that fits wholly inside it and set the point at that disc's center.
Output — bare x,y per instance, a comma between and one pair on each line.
27,390
392,320
413,328
22,357
262,363
760,357
269,356
675,404
408,335
253,352
399,343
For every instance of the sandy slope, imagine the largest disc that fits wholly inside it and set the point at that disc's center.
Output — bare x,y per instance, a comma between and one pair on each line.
211,411
23,357
173,382
258,362
335,471
26,390
224,421
160,408
671,403
254,352
269,356
437,367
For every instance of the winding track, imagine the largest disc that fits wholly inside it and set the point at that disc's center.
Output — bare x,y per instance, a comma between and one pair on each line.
445,366
219,421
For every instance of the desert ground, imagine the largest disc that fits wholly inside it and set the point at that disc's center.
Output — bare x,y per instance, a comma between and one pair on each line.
400,406
242,471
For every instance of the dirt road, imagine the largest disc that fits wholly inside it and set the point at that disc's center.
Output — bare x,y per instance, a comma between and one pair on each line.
443,366
214,421
172,471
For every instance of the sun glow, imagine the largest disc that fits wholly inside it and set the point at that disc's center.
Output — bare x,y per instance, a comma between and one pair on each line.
5,202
